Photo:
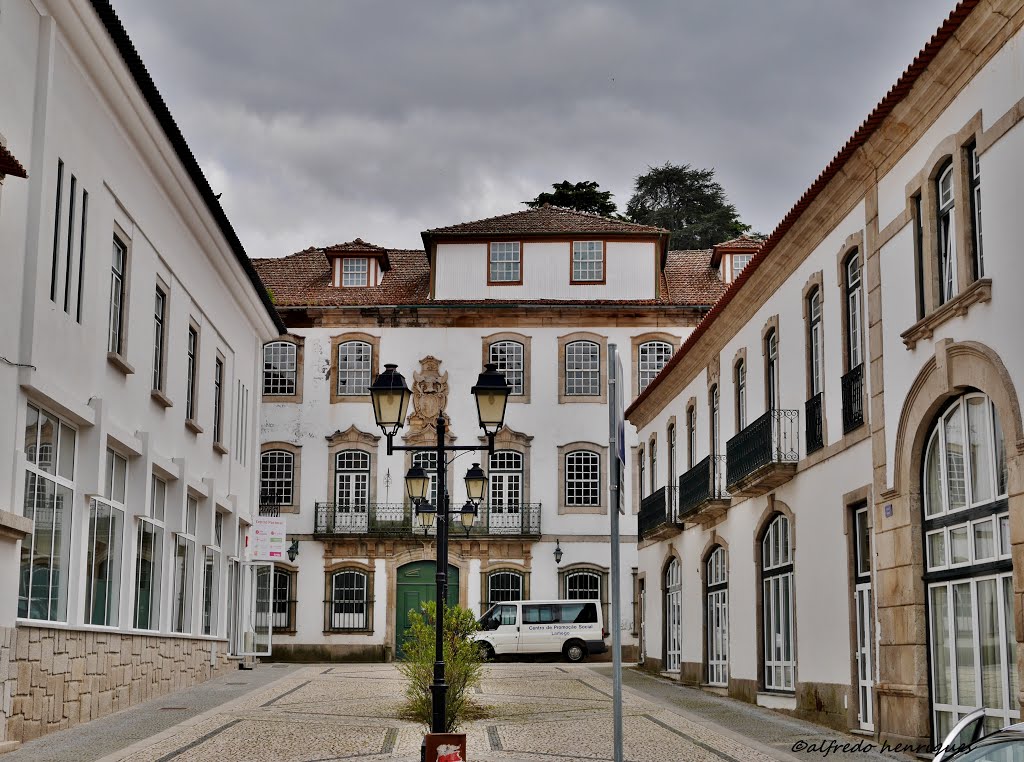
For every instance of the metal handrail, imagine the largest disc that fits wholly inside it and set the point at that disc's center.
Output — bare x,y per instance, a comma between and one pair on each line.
704,482
813,421
398,519
853,399
772,438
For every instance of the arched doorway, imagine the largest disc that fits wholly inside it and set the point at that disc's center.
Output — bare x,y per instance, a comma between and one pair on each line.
673,587
416,585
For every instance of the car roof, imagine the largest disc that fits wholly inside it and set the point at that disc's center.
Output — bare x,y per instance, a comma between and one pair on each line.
563,600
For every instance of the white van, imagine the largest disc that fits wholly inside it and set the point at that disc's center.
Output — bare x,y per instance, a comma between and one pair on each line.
571,628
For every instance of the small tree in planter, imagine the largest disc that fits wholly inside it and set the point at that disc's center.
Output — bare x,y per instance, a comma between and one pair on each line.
463,665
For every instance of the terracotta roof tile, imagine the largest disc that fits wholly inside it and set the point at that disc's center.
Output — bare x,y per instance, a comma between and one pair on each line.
356,245
544,221
303,279
10,165
742,242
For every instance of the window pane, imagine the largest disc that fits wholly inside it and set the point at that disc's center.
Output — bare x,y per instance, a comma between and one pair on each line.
1000,454
582,369
981,449
582,478
652,358
279,368
103,564
956,485
959,545
66,458
933,493
45,555
148,560
583,586
588,261
942,683
937,549
354,358
990,645
355,271
1010,636
984,541
504,586
508,356
276,477
505,262
963,631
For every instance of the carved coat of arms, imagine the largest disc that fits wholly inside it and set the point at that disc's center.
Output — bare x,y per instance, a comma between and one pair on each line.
429,393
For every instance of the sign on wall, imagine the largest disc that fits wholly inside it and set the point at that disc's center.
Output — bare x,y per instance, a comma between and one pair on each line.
268,539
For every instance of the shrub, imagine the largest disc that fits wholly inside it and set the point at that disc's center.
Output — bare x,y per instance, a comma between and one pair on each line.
463,665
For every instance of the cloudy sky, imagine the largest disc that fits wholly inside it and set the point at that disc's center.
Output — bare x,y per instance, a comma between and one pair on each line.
324,120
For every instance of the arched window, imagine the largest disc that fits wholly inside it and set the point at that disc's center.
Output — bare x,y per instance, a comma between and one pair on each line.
641,467
854,317
279,368
352,480
777,606
670,435
716,589
583,585
582,478
815,343
741,395
504,586
691,436
947,234
714,415
354,363
673,587
347,606
277,477
652,358
771,369
969,572
653,450
583,369
509,357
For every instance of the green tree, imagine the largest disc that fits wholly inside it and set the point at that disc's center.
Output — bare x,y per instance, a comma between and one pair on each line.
687,201
584,196
463,665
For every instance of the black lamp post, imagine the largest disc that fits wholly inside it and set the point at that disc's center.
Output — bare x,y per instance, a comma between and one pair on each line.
391,396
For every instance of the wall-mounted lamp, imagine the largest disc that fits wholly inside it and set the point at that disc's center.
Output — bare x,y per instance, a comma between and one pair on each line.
293,551
558,553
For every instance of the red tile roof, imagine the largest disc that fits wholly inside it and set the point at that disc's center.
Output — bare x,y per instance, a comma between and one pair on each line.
355,245
867,128
742,242
10,165
545,220
303,279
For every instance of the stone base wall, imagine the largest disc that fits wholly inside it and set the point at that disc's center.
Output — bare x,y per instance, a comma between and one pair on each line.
8,678
823,703
63,677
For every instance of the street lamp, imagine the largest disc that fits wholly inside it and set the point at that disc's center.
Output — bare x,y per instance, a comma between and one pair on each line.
390,397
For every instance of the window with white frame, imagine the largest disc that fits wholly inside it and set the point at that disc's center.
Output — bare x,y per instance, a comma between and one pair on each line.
739,262
184,569
505,262
714,414
974,180
583,369
103,551
50,449
279,368
587,261
352,480
159,337
716,584
670,435
427,460
969,571
355,271
777,606
741,395
771,369
241,445
118,270
691,436
218,400
509,356
211,588
582,478
652,356
277,477
641,469
504,586
354,367
854,314
815,342
149,554
348,601
505,477
583,585
947,235
192,359
652,451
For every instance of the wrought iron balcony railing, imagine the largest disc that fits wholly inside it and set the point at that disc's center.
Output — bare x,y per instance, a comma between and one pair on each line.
272,510
853,399
398,519
814,432
772,438
703,483
657,512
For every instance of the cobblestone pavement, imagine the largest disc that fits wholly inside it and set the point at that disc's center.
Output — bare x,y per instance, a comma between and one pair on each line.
539,712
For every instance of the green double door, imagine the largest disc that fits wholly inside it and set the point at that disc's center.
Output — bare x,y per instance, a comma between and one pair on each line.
416,585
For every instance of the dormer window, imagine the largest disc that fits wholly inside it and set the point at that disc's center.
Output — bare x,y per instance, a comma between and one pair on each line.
739,261
504,264
355,271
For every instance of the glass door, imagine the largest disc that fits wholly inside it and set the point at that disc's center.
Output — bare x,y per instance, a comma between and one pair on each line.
257,619
865,669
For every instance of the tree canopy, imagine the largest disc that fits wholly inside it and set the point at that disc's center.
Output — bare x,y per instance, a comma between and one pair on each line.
687,201
584,196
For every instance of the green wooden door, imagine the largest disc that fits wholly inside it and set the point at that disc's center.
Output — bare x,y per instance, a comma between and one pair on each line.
415,586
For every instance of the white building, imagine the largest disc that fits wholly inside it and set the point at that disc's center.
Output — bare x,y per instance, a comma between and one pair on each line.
129,389
543,293
838,532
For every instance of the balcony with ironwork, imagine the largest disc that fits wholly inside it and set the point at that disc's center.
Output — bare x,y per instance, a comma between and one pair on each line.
703,497
764,454
271,501
814,428
399,520
853,399
657,519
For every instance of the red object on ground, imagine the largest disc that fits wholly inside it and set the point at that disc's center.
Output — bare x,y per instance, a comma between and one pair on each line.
446,747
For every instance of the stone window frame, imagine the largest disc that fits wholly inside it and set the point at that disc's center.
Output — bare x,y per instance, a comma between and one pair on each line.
816,281
672,452
652,462
352,439
510,439
292,570
602,486
853,243
740,357
602,354
773,509
691,433
330,570
300,356
296,451
644,338
494,338
336,341
584,566
636,455
772,325
492,567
